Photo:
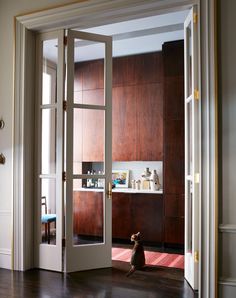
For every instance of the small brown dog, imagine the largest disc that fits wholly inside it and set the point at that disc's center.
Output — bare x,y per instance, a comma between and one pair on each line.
138,258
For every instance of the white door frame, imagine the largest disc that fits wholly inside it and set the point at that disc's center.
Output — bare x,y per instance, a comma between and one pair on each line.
101,12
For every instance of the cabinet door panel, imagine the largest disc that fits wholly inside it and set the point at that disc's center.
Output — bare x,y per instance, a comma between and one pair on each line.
174,205
174,157
173,58
78,77
174,94
148,68
147,216
123,71
174,230
149,100
88,210
93,97
93,74
93,135
124,124
121,216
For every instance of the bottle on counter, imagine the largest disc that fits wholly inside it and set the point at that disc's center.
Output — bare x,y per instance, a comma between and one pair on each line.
88,181
133,184
100,180
138,184
93,180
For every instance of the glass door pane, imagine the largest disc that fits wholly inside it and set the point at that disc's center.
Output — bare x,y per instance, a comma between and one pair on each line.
89,141
48,131
49,148
88,159
89,72
88,214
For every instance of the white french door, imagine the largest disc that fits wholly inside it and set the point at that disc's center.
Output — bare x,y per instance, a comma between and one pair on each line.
74,134
49,150
88,147
192,149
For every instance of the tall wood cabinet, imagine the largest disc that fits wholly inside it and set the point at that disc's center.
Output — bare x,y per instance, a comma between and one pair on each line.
89,124
137,111
173,161
131,213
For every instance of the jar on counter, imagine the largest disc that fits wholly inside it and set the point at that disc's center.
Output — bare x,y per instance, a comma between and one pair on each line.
154,181
133,184
138,184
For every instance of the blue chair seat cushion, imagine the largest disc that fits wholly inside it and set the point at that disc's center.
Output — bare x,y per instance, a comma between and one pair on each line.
46,218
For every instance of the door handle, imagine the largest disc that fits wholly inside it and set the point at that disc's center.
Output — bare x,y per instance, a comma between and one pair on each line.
109,191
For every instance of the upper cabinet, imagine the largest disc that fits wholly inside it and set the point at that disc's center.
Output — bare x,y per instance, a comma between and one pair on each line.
89,89
138,108
137,112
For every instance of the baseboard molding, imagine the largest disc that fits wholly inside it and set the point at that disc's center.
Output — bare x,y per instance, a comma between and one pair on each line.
5,258
227,228
228,282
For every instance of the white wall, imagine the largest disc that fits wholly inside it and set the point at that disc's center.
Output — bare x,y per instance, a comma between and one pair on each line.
227,97
9,9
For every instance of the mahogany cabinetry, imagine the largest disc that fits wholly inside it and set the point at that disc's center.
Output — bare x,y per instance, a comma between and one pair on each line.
137,112
137,108
89,124
173,161
88,213
131,213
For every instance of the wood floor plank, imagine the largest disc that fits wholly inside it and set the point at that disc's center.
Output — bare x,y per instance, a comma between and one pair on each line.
103,283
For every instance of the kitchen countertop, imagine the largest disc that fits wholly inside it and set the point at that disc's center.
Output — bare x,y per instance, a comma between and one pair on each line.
122,190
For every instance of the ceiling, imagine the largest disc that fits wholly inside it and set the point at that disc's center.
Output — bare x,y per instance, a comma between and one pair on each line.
129,37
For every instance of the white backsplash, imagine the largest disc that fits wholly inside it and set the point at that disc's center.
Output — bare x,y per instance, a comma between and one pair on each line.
136,168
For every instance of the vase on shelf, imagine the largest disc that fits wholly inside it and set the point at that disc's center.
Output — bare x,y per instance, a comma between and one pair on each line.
154,181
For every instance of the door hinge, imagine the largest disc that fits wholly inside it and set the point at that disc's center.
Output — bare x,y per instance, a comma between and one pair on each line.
64,105
196,256
63,242
197,178
196,94
195,18
65,40
63,176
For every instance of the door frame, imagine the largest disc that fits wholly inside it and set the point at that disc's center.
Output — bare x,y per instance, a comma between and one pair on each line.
101,12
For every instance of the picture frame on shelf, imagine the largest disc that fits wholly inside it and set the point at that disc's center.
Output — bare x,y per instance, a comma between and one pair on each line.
120,178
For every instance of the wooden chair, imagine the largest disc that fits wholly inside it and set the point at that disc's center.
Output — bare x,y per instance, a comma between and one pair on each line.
47,219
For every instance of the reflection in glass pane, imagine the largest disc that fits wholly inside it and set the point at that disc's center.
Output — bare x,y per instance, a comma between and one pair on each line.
89,72
50,56
48,141
189,137
48,211
88,211
189,60
190,217
88,141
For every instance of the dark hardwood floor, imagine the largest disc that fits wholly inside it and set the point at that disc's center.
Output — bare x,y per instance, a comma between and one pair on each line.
103,283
